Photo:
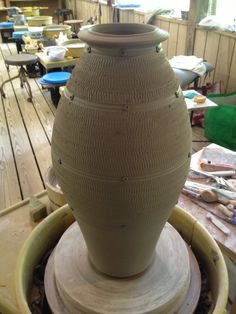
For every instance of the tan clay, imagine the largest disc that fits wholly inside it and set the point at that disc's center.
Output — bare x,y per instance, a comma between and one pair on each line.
121,145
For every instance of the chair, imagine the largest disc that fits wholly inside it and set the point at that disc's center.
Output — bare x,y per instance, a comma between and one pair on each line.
20,60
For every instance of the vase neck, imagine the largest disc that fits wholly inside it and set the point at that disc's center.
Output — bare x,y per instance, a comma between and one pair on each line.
124,52
123,36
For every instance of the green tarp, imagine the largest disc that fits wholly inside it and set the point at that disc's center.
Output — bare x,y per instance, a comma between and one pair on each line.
220,122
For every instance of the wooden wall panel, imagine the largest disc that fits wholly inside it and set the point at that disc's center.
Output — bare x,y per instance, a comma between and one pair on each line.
85,9
177,29
157,22
172,40
231,87
218,49
181,40
211,47
107,13
200,43
126,16
224,59
165,25
139,17
212,40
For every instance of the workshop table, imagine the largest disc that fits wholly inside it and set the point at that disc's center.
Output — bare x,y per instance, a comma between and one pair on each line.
226,243
192,105
48,65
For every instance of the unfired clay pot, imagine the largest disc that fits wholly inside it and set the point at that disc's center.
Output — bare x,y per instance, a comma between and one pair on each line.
121,145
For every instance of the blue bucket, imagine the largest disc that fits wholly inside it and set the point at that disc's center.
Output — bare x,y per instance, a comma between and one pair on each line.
6,25
19,34
55,78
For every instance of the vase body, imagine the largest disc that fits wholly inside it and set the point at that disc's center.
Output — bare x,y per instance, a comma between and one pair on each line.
121,145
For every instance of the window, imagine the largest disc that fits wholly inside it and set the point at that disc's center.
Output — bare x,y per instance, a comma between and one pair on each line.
226,9
163,4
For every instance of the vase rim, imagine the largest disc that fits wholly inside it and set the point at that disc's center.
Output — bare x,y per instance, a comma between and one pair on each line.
123,35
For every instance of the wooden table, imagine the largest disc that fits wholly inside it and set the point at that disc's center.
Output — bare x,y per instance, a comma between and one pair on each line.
226,243
47,64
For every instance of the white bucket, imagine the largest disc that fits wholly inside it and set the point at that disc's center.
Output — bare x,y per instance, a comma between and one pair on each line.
55,194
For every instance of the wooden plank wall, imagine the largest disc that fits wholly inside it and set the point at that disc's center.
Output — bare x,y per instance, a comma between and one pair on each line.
84,9
175,45
219,49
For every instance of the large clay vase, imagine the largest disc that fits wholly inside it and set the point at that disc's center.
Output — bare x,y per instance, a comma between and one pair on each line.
121,145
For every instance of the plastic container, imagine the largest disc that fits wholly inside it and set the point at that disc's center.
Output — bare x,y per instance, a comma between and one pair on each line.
30,11
19,34
6,30
53,31
36,32
55,53
75,47
56,78
55,194
6,25
39,20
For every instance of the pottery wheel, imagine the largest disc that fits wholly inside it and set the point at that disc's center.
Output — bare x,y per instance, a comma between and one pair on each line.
73,285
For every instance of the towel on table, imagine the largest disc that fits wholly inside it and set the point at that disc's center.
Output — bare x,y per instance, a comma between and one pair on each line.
190,63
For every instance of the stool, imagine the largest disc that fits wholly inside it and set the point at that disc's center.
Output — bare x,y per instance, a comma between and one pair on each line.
53,81
20,60
63,14
75,25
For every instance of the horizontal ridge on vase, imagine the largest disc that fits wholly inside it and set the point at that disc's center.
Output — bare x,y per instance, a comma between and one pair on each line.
121,144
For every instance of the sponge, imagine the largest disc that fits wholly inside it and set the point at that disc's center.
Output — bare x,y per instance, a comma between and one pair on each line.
199,99
38,210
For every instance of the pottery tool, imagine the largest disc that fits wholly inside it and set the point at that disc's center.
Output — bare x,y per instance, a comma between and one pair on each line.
191,193
198,187
228,194
230,206
225,173
231,221
223,200
218,224
233,202
195,186
209,196
219,180
206,195
199,192
225,211
205,165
